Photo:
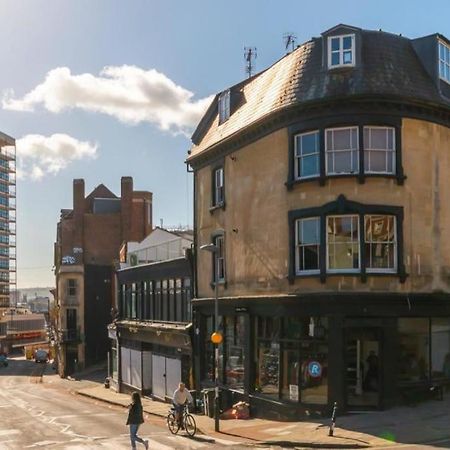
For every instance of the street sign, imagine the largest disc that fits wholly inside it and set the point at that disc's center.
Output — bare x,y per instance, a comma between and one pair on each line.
315,369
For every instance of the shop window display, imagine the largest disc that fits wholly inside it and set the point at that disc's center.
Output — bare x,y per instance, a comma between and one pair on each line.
269,367
235,358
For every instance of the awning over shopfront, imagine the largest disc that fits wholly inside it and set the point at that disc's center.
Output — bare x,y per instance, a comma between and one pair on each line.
161,333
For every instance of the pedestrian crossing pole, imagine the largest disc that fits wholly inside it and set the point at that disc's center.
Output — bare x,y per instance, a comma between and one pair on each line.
333,420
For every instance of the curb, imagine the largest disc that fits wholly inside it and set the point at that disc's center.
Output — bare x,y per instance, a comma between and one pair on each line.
295,444
111,402
286,444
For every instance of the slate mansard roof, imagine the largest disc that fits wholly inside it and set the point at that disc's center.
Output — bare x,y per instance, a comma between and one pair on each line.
387,66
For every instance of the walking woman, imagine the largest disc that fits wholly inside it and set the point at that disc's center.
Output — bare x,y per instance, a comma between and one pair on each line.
135,418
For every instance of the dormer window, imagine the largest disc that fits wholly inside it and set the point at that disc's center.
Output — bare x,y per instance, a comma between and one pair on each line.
341,51
224,106
444,62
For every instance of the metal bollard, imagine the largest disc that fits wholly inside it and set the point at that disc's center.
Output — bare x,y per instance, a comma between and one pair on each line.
333,420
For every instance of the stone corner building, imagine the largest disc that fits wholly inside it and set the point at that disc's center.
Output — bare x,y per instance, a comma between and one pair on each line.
324,181
89,238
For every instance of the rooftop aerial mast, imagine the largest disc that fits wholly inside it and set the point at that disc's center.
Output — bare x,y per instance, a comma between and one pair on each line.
249,56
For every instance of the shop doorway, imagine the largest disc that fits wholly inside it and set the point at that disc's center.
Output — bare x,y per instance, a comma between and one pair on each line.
363,367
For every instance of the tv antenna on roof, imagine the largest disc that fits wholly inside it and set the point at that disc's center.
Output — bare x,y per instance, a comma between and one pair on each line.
289,39
249,56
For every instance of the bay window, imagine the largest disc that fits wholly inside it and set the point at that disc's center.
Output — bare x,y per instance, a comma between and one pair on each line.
379,150
307,155
307,245
346,237
380,242
343,243
369,147
341,148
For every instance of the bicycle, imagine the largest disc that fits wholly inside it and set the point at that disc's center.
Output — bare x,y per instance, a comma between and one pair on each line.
186,422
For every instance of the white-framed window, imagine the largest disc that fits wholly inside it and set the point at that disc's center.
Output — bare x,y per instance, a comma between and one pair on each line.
379,150
343,243
444,62
224,106
342,150
380,238
341,50
307,245
307,155
218,188
219,260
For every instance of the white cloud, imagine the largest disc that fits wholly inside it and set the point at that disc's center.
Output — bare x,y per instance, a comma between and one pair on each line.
39,155
128,93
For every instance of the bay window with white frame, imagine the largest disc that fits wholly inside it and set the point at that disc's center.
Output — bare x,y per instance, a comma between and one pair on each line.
343,243
379,150
307,243
380,243
307,155
342,151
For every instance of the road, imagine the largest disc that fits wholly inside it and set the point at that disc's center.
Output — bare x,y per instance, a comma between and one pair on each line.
49,415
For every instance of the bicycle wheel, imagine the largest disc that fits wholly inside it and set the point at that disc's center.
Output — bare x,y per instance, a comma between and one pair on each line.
190,425
172,423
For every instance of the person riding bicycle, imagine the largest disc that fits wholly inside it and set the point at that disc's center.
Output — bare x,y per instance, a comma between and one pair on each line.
181,397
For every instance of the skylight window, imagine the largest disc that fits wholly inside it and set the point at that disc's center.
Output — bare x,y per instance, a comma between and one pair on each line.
224,106
341,51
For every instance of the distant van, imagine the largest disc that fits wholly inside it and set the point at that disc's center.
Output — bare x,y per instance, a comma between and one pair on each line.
41,356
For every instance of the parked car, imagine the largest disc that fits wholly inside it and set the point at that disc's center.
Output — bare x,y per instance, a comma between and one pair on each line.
41,356
3,360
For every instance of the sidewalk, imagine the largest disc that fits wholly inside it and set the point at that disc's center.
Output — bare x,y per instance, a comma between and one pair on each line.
255,431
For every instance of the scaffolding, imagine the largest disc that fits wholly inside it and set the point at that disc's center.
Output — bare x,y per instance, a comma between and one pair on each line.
8,263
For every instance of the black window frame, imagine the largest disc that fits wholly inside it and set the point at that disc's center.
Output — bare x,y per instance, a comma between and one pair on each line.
355,120
342,206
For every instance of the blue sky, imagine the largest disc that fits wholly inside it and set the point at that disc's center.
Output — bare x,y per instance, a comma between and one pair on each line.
188,50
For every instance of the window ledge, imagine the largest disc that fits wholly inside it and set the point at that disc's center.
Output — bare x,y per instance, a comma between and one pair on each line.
401,274
361,177
218,206
220,283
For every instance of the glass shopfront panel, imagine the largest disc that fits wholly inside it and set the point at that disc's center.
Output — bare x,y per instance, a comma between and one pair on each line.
291,357
235,357
440,348
414,349
314,374
268,368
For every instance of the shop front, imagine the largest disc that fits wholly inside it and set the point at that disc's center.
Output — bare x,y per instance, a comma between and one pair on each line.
297,362
153,357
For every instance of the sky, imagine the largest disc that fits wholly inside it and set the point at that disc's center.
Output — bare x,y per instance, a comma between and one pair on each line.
104,89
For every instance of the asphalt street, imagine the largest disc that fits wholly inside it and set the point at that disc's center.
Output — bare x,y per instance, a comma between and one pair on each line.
49,415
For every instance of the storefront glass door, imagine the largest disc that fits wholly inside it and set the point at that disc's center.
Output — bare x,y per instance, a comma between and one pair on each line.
362,359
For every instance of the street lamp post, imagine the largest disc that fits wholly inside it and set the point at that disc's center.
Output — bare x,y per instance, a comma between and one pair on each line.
216,337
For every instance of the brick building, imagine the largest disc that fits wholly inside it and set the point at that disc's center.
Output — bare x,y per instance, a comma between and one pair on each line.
89,238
